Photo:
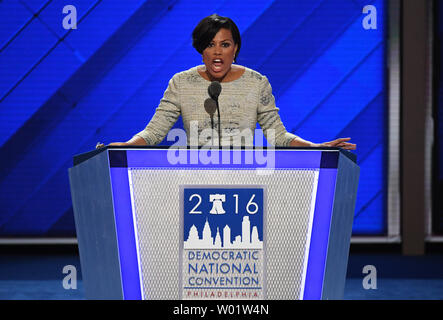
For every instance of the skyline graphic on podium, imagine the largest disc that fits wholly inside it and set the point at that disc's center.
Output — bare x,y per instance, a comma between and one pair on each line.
223,217
247,240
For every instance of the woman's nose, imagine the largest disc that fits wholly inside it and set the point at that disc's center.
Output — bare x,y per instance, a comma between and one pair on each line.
218,50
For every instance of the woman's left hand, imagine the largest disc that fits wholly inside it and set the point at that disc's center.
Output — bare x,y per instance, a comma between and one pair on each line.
340,143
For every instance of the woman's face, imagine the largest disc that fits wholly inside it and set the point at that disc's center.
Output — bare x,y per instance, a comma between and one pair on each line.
219,54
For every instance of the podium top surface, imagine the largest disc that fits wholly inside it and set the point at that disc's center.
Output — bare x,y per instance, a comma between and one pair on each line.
80,158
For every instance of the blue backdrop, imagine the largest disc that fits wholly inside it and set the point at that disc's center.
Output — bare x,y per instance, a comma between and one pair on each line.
61,90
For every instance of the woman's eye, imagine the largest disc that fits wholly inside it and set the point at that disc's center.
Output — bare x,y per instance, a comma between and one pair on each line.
224,45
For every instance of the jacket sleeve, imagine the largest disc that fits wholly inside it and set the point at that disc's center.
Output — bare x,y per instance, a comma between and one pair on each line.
269,119
165,115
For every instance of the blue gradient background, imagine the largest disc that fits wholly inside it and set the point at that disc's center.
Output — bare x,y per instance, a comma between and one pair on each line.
61,90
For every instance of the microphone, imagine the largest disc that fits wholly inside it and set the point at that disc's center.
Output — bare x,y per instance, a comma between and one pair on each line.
210,106
214,91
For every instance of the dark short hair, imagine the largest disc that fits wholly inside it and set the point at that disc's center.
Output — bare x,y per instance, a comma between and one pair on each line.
208,27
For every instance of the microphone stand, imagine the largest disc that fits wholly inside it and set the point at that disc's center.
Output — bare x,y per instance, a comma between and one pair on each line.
219,125
212,127
214,90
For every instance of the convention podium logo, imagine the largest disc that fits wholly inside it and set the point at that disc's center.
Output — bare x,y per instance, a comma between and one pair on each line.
222,241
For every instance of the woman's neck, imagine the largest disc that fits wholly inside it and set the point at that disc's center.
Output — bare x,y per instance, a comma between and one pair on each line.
233,73
211,78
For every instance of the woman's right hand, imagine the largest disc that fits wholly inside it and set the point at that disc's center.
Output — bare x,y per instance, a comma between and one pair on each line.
118,144
135,141
115,144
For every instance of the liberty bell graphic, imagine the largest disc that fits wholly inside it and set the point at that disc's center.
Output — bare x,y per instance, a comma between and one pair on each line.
217,203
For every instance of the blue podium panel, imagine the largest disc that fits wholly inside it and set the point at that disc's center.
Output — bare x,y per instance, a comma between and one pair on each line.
216,224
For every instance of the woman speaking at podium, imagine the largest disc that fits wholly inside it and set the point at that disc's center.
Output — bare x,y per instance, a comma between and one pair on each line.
220,96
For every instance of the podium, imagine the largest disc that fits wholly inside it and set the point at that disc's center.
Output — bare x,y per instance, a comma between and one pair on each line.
183,223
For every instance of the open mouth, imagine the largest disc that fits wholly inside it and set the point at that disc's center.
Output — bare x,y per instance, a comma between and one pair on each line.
217,64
